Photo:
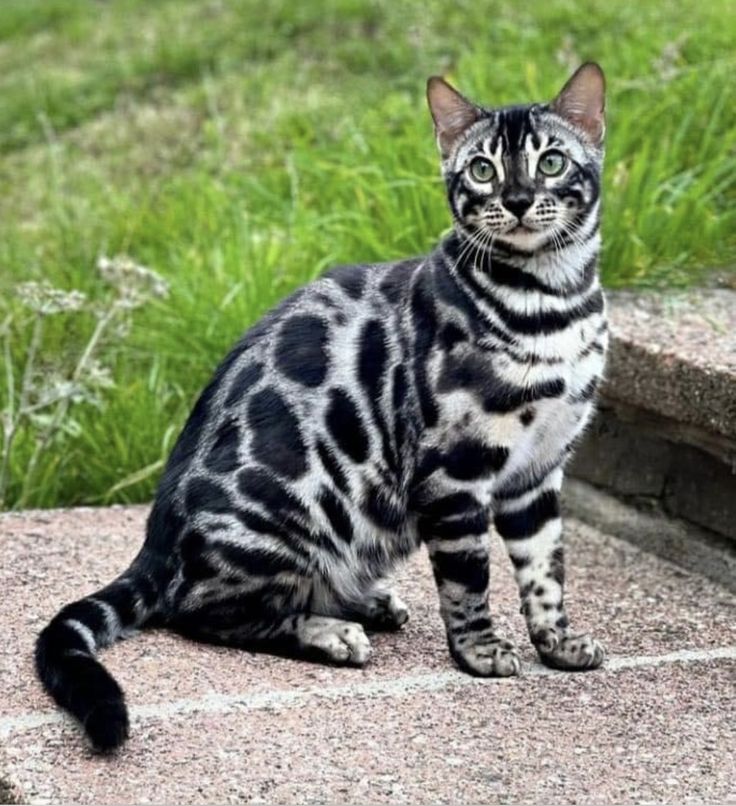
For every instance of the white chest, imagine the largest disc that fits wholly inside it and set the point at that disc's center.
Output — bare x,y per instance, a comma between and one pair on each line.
555,393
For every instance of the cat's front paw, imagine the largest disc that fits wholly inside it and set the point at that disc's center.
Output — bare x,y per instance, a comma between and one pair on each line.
495,657
568,652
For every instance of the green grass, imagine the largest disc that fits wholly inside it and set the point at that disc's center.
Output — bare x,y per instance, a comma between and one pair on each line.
239,148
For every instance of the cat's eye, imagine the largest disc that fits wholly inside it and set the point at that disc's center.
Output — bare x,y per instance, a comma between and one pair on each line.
552,163
482,170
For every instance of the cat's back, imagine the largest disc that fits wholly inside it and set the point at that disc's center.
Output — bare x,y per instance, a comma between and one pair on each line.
307,382
321,335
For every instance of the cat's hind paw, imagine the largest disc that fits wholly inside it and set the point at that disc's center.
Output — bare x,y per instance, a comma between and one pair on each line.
386,612
336,641
569,652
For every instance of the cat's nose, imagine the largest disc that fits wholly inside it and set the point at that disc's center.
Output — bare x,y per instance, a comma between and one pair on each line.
517,201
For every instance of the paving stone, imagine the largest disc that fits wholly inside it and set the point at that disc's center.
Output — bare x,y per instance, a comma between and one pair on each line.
210,724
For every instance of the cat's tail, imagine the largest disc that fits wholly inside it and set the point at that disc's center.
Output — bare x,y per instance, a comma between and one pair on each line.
66,649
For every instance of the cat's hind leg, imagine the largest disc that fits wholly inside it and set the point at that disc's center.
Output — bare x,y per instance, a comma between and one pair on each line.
298,634
254,592
373,604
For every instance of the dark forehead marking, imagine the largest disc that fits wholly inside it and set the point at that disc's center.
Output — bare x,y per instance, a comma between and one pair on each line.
514,125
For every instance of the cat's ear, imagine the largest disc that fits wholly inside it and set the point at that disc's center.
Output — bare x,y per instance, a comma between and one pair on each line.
451,112
582,101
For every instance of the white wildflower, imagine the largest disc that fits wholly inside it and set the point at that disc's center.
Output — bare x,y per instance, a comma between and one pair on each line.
45,299
48,386
135,284
98,376
667,64
120,329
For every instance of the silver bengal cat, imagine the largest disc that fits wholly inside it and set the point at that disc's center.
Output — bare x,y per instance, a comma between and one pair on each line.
381,407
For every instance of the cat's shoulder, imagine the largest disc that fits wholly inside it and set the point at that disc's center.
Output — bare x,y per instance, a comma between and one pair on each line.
389,279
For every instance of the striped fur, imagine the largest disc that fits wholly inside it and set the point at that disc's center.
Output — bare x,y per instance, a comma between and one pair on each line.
382,406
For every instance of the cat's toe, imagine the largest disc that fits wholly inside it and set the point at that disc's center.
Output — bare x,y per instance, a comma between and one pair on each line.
496,658
359,647
396,614
570,652
399,613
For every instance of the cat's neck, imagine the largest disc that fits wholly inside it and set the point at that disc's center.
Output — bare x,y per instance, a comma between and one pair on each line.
560,267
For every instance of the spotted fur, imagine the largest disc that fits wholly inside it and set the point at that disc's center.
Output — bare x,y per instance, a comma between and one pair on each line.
381,407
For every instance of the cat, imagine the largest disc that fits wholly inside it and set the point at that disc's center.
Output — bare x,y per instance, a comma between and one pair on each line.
378,408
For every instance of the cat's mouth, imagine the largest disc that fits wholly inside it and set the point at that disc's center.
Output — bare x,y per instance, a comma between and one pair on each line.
520,229
523,236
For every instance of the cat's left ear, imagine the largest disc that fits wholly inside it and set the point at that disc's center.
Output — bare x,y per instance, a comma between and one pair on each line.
582,101
452,113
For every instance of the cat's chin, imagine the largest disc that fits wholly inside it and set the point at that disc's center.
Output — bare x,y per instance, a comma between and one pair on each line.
524,239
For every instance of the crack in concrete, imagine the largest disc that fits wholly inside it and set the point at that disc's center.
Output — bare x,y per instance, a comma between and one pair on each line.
391,687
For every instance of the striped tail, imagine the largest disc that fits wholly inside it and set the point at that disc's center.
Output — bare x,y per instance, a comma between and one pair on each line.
66,649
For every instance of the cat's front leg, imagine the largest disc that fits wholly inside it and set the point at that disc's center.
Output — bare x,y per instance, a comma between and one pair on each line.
531,527
458,549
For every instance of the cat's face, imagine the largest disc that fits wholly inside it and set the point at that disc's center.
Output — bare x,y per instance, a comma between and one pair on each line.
526,176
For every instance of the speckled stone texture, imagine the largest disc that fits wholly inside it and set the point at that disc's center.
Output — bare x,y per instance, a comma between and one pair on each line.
213,725
675,354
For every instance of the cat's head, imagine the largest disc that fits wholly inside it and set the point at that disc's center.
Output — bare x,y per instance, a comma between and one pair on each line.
522,176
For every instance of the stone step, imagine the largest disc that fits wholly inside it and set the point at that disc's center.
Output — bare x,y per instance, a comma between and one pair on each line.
674,354
665,435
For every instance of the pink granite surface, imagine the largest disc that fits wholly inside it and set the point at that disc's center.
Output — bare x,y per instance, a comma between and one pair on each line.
217,725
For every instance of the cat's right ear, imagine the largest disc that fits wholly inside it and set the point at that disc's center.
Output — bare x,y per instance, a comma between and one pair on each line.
451,112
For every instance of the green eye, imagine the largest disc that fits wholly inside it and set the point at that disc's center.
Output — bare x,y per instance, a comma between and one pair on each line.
552,163
482,170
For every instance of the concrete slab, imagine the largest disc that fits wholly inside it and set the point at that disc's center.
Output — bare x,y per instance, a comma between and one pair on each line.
217,725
